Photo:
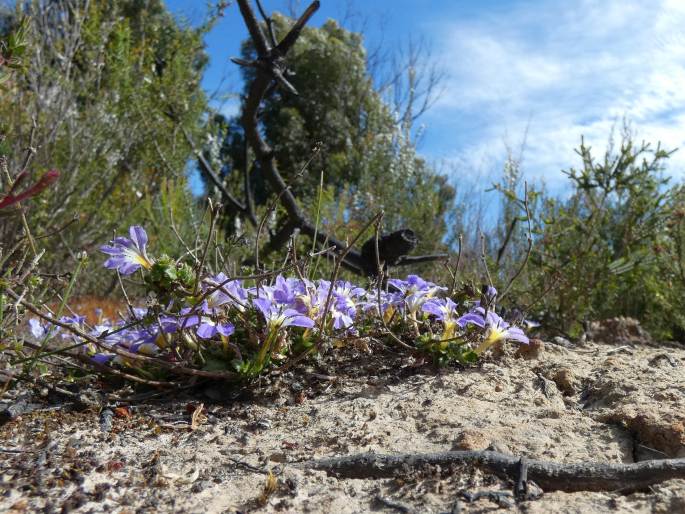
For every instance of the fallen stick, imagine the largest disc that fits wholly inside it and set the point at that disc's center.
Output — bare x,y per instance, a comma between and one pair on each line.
550,476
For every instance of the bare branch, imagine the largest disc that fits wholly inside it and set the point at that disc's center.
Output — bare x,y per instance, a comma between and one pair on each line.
289,40
254,28
585,476
213,177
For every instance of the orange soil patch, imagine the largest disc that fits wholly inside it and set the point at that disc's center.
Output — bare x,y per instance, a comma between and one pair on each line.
87,306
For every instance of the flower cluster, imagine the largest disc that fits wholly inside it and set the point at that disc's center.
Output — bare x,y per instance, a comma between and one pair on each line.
222,323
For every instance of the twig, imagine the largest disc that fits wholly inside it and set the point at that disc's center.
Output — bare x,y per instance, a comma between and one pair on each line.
213,212
207,170
550,476
248,466
397,505
529,249
289,40
249,199
336,269
453,286
289,228
507,238
129,305
484,258
74,219
269,24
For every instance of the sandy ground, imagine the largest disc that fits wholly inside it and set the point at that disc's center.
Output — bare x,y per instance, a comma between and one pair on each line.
598,402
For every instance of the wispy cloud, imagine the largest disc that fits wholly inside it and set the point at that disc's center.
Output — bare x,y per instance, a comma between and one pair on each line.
561,69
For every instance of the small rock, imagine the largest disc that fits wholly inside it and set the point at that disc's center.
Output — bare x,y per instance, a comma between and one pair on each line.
562,341
620,330
532,350
263,424
663,358
279,457
471,439
106,417
497,446
566,381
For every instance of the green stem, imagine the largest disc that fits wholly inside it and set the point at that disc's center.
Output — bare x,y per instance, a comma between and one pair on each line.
60,310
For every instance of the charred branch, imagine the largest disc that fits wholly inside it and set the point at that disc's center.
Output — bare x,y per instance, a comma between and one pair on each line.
550,476
270,68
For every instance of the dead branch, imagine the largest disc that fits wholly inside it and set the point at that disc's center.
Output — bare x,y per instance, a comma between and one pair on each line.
270,68
550,476
230,201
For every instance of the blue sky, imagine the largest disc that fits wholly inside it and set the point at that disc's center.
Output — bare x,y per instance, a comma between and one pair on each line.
544,72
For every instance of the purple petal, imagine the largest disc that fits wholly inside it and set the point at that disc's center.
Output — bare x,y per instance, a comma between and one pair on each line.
123,241
434,309
295,319
189,321
516,334
471,318
341,320
264,306
37,329
102,358
495,319
138,236
225,329
110,250
206,330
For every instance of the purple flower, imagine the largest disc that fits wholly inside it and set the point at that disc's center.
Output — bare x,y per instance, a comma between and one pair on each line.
311,302
102,358
205,326
389,302
75,319
188,318
170,324
496,329
41,330
444,310
209,328
231,292
284,291
128,255
414,284
278,317
414,292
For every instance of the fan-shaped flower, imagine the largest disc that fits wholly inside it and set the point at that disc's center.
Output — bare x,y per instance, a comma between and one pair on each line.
278,317
445,310
496,329
128,255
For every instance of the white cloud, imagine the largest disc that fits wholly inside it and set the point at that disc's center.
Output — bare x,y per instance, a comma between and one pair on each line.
562,69
228,107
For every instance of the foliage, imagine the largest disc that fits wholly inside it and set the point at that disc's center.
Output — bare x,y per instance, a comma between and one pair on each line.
668,286
105,84
597,253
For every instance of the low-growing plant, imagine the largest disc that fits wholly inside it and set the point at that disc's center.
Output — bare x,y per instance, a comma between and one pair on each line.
198,323
597,251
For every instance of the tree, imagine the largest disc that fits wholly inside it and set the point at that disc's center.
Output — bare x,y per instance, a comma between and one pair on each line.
367,159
